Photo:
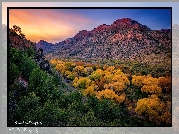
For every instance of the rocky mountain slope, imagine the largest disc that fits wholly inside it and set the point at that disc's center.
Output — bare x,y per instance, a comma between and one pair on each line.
124,39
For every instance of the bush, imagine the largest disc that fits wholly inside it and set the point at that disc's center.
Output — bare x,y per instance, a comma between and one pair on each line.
31,52
43,85
67,99
27,65
15,55
46,115
24,106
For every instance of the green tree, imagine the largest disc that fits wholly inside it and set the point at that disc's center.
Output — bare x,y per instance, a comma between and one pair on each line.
45,115
43,85
26,66
24,106
14,55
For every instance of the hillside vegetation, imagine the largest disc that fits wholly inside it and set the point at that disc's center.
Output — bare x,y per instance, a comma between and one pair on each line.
72,92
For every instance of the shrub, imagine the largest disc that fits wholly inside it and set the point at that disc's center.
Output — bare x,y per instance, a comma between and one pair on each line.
46,115
15,55
43,85
25,106
27,65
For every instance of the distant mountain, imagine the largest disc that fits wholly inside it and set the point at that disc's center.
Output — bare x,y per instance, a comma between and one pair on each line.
124,39
45,45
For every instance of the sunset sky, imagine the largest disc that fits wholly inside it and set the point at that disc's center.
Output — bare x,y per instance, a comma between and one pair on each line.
55,25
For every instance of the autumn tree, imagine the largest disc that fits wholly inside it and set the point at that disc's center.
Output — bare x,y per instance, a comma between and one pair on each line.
79,70
165,83
151,85
153,109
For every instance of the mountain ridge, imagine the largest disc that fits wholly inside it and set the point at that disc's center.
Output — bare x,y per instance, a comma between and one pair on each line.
123,39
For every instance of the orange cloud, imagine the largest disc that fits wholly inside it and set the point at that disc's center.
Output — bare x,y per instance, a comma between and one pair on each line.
47,24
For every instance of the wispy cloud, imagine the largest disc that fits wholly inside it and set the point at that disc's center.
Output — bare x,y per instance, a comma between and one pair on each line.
46,23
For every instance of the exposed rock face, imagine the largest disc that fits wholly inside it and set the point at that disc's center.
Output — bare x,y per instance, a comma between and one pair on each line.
124,39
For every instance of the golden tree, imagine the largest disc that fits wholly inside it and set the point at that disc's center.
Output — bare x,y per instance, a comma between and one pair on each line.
79,70
153,109
138,80
110,94
96,74
151,85
91,90
153,89
81,82
60,67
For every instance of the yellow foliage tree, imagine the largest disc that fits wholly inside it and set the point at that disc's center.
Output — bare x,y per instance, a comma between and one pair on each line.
153,109
53,62
69,65
116,86
149,80
70,75
108,77
96,74
110,94
153,89
110,69
118,83
121,98
151,85
82,82
79,70
122,78
138,80
107,93
105,67
91,90
67,73
61,68
118,71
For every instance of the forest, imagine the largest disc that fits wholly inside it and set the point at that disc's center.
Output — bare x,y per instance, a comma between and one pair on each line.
81,93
